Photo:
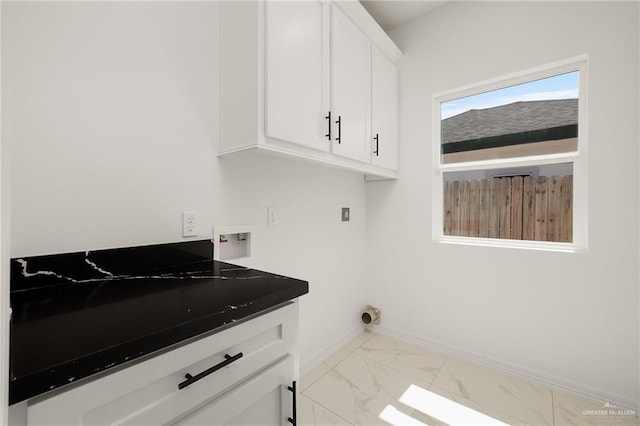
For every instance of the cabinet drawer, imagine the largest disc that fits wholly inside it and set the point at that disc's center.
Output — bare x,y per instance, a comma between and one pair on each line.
148,393
263,400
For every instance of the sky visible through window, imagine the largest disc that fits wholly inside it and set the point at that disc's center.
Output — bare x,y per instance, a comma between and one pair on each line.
563,86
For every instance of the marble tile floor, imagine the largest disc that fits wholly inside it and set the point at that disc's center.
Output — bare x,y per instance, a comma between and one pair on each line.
378,380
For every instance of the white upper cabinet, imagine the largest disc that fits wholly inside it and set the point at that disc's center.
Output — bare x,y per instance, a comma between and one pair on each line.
296,80
350,83
384,113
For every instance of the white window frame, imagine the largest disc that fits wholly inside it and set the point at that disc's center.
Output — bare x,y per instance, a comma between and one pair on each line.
577,158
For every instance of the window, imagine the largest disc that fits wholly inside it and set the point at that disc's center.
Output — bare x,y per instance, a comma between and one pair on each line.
510,160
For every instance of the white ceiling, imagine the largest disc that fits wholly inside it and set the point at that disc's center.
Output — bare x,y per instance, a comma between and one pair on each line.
394,13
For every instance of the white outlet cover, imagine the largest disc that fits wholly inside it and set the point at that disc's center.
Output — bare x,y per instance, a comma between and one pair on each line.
272,216
189,224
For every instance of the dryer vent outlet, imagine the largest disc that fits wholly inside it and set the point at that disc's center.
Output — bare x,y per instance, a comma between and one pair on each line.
371,315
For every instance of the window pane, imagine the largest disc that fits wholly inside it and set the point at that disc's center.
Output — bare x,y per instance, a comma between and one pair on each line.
532,203
535,118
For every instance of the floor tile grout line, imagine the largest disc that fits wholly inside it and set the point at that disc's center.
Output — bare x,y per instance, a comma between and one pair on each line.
304,389
397,370
342,348
330,410
495,371
553,408
444,355
372,334
485,406
393,369
435,376
322,375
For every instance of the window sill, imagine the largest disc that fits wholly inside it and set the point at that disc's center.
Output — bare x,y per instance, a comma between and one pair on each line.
514,244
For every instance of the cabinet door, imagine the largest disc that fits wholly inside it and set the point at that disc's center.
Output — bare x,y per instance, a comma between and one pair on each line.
263,400
350,88
384,121
296,80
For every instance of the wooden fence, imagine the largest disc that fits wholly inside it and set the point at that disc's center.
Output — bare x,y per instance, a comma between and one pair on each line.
529,208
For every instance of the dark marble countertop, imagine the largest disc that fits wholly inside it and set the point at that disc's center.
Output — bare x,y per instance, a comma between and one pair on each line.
76,315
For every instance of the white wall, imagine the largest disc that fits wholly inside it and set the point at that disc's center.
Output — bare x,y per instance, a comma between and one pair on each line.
569,319
113,115
4,262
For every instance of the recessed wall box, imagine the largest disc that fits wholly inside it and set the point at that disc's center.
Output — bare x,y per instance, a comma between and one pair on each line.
233,244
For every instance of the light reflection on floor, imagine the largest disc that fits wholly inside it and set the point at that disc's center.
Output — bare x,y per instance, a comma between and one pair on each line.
391,415
380,380
437,407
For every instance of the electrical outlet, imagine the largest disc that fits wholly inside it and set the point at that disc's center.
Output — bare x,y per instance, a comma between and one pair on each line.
345,214
272,216
189,224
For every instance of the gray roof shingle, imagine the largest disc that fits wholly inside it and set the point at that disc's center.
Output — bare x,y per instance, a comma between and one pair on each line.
508,119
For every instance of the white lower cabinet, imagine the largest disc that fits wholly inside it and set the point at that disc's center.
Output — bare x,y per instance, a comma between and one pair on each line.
252,388
263,400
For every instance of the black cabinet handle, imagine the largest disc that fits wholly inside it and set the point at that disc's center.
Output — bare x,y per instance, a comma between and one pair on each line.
376,152
292,389
339,123
192,379
328,117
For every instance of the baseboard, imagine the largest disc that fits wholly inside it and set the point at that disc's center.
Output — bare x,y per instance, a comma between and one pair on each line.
512,369
307,365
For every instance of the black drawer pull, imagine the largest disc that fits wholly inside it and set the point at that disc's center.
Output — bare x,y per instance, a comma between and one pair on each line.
328,117
339,123
377,151
293,420
192,379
